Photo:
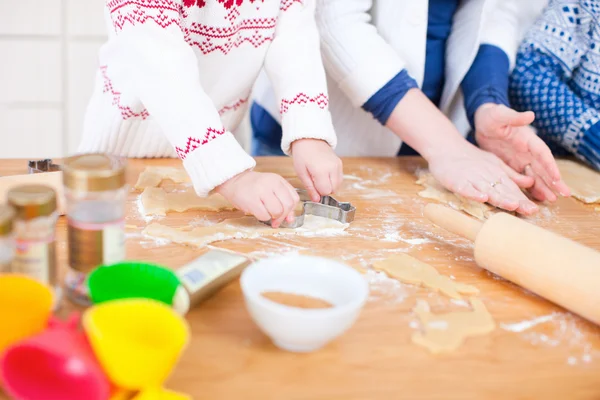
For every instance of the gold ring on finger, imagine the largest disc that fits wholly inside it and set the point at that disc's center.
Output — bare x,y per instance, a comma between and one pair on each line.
494,184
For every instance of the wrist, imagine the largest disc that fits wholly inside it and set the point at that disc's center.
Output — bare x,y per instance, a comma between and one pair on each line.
230,182
307,141
455,145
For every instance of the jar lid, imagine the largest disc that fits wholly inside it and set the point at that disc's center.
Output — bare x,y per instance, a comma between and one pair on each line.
7,214
32,201
94,173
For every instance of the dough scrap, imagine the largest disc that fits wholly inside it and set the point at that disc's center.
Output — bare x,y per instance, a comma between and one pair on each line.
584,182
410,270
435,191
155,201
153,176
446,332
241,228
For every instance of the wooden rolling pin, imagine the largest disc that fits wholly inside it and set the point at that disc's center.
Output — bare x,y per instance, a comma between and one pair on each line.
556,268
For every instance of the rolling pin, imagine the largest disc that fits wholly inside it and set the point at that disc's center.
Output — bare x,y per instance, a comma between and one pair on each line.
555,268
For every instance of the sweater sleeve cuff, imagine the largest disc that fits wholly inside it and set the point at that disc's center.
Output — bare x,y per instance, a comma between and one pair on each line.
487,80
307,122
588,149
483,96
216,162
382,104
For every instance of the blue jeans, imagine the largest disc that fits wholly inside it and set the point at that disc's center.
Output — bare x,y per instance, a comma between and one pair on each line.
266,133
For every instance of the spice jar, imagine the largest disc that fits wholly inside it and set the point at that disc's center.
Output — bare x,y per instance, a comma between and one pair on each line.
7,243
34,226
95,191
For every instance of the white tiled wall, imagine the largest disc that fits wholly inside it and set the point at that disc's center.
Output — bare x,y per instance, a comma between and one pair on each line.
48,57
48,53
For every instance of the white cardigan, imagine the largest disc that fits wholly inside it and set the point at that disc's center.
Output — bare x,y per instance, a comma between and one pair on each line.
365,43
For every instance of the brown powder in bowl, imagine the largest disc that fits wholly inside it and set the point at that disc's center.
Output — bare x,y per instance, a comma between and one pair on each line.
296,300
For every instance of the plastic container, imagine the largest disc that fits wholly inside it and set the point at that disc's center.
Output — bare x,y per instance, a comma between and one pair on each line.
57,364
95,191
300,329
138,280
7,241
137,341
25,308
34,226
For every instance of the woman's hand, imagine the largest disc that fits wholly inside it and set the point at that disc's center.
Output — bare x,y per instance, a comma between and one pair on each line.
482,176
506,133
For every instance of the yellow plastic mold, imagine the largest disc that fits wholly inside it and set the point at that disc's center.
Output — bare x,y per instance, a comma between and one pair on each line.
137,341
161,394
25,308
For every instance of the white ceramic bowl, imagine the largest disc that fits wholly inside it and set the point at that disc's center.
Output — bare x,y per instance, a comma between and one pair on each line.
299,329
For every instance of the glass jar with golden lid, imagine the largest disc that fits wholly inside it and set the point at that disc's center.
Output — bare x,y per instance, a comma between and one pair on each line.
96,191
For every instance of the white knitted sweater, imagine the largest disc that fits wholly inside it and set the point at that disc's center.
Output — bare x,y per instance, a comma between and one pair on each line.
175,77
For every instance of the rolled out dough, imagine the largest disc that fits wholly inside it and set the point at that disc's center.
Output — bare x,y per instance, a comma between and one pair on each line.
410,270
240,228
446,332
153,176
155,201
584,182
435,191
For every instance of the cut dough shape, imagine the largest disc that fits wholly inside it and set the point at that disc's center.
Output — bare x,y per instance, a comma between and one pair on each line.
241,228
155,201
410,270
446,332
435,191
153,176
584,182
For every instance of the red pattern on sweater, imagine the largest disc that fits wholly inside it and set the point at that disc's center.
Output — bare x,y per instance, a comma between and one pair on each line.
233,107
193,143
228,4
126,112
208,38
163,12
286,4
255,31
321,100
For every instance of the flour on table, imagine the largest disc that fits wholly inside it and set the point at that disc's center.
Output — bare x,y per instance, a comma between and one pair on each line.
446,332
410,270
153,176
155,201
241,228
435,191
584,182
528,324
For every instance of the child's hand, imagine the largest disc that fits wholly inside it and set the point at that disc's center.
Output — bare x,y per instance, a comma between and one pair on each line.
264,195
507,134
482,176
317,166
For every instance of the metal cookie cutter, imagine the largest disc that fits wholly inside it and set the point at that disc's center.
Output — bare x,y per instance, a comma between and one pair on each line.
38,166
328,207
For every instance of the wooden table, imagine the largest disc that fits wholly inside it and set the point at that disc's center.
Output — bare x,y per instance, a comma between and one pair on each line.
229,358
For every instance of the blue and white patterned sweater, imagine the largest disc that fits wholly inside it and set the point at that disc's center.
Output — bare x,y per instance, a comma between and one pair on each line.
558,77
